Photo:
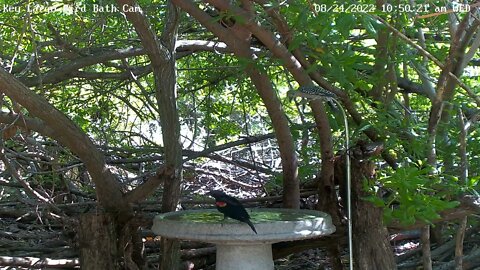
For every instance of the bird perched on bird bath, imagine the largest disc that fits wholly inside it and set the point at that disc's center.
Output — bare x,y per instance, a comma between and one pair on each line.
231,207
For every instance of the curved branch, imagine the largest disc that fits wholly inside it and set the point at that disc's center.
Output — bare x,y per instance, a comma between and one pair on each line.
239,43
62,129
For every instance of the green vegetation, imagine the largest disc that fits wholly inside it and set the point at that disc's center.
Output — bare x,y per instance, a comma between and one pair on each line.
407,76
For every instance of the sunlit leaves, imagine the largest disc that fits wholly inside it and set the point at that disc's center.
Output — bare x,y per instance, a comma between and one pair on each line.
414,195
218,103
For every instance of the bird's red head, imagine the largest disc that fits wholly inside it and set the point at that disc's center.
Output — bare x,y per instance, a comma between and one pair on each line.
220,204
219,197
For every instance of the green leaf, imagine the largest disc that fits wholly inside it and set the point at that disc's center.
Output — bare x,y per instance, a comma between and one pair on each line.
369,24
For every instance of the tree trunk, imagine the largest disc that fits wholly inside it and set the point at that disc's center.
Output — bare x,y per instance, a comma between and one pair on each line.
165,84
328,199
162,56
291,185
97,235
371,248
426,250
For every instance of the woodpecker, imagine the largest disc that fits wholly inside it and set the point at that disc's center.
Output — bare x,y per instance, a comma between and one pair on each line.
231,207
313,92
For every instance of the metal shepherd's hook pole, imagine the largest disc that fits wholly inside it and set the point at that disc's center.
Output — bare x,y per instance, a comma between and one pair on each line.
313,92
349,185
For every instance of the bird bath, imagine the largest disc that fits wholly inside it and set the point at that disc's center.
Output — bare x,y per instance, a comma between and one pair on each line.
238,247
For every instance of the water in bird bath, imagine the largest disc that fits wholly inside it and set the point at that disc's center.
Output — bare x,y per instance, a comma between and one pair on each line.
256,216
200,217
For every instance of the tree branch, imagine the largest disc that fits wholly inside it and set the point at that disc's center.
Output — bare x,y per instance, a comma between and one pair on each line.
66,132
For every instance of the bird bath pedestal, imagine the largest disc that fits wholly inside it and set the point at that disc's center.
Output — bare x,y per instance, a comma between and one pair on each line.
238,247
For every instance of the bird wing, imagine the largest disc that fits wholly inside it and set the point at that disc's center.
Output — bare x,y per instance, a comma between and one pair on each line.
231,200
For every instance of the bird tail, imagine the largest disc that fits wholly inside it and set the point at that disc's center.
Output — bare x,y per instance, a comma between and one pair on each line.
251,226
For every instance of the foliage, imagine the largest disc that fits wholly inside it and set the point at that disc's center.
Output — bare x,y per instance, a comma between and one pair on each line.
415,194
113,100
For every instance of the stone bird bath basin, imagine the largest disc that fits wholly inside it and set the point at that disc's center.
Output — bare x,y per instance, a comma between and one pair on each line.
238,247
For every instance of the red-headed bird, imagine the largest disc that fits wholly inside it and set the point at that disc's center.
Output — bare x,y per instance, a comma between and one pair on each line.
231,207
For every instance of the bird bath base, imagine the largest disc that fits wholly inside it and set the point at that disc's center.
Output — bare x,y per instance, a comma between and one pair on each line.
241,257
238,247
